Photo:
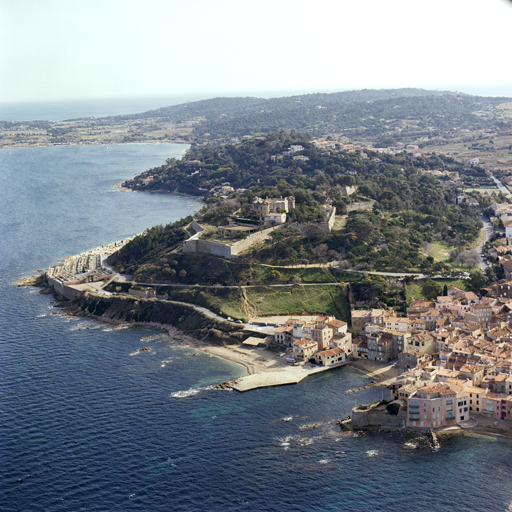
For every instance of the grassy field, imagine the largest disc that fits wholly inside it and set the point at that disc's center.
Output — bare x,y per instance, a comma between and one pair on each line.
290,300
413,290
339,222
439,251
488,190
249,302
461,151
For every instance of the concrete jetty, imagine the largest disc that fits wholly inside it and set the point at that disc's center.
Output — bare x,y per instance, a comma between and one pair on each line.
279,376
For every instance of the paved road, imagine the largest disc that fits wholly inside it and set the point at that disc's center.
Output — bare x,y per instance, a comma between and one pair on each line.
417,275
237,285
504,190
489,230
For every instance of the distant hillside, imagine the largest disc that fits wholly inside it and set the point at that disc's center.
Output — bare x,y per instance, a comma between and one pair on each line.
398,114
380,118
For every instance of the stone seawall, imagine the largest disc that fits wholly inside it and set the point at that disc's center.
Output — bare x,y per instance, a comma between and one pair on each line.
371,418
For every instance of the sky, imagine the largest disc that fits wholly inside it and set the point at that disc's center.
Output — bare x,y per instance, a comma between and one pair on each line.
69,49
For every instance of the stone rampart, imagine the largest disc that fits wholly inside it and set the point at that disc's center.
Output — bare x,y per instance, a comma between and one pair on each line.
203,246
247,243
327,226
197,227
227,251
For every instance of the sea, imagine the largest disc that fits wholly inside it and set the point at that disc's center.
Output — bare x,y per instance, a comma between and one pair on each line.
89,423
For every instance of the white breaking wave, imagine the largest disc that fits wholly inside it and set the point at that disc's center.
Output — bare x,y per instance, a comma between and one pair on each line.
372,453
189,392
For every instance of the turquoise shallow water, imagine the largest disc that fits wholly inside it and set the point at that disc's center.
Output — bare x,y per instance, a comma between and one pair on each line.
86,423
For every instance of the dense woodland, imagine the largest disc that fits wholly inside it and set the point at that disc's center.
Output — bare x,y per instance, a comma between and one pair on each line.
411,208
382,116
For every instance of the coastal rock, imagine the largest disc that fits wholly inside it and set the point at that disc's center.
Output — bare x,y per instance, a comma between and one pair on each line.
225,385
36,280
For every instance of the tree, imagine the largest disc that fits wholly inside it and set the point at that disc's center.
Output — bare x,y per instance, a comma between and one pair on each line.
476,281
431,289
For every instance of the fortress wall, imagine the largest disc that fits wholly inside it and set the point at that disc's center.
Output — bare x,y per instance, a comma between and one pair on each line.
215,248
327,226
197,227
227,251
247,243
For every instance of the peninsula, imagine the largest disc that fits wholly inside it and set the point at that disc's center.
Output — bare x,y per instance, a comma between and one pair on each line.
312,253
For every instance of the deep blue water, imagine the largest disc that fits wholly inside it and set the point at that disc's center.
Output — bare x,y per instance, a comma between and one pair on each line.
86,425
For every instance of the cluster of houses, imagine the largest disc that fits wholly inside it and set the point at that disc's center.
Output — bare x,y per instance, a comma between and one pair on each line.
502,251
292,150
324,340
455,354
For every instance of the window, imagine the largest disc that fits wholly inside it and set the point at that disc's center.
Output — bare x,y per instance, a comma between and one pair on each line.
449,416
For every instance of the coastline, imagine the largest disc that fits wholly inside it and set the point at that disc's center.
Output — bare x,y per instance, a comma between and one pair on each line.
119,186
22,145
262,369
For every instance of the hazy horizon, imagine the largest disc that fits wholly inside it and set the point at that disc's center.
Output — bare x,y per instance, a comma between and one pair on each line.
58,50
39,110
